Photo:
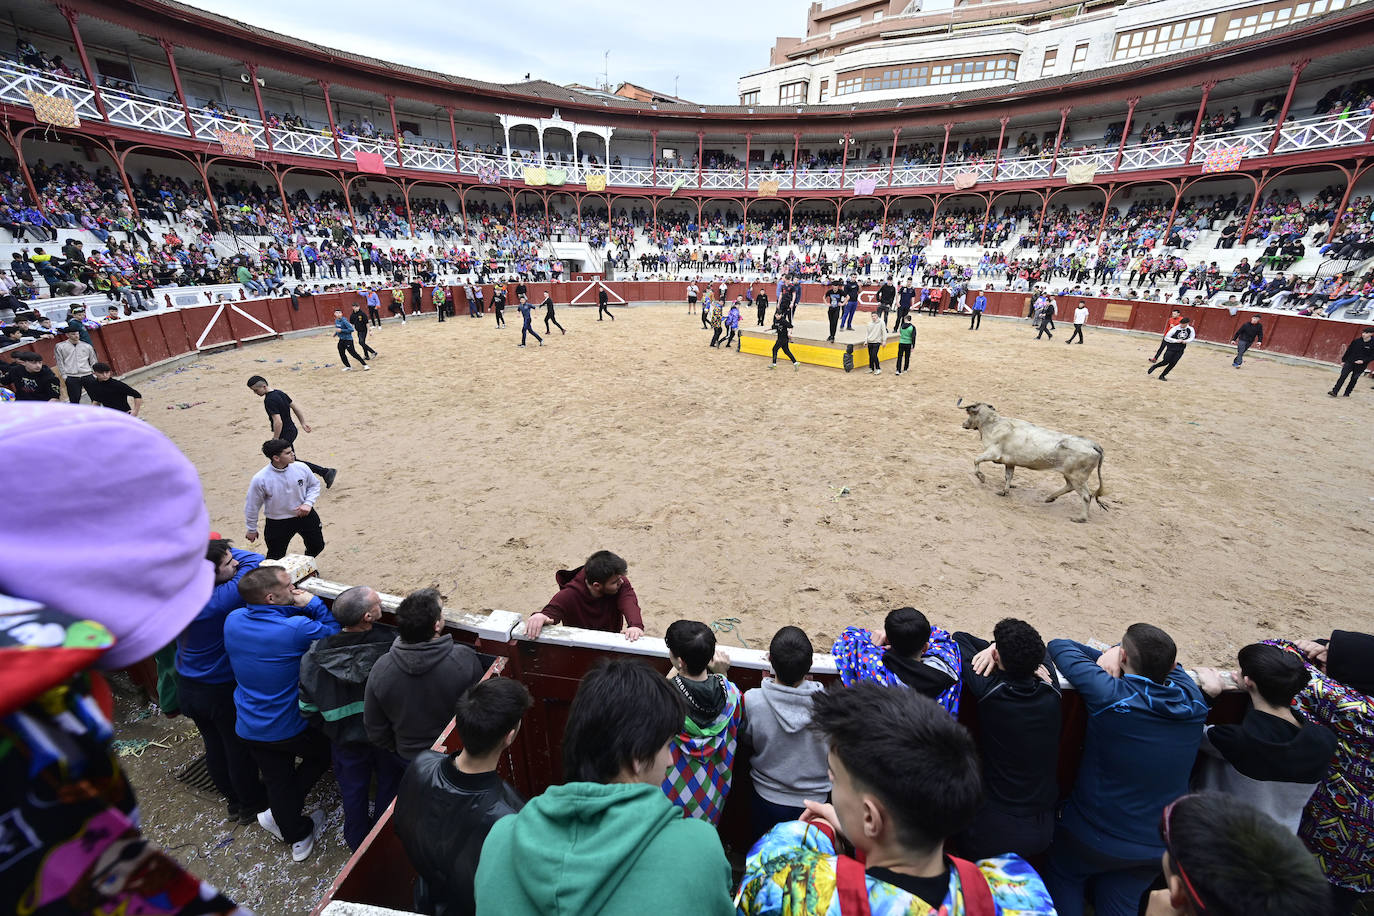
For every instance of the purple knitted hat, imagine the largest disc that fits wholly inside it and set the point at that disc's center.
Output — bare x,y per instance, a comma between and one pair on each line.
109,524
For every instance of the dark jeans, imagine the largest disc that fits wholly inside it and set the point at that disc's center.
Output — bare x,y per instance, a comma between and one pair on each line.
526,328
278,532
762,309
500,316
547,320
362,342
847,319
1241,347
834,315
1172,354
231,767
715,335
765,815
602,309
288,782
75,385
1351,371
1077,332
781,344
1117,883
1045,330
374,316
975,320
354,767
903,357
346,348
873,363
995,833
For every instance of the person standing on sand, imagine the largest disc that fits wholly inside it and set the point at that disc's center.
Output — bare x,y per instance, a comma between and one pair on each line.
343,330
603,305
548,315
360,326
526,313
1175,342
280,407
783,326
498,304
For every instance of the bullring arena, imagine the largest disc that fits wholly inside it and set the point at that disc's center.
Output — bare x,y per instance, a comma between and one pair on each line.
209,191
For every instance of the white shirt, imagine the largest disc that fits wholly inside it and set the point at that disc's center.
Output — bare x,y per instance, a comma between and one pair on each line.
279,492
1080,314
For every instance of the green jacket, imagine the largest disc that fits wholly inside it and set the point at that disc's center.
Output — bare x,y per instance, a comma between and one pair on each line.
616,850
906,334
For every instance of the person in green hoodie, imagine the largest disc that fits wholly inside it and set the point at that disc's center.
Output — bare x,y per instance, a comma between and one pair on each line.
608,841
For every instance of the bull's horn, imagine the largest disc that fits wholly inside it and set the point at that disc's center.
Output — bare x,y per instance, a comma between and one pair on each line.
959,403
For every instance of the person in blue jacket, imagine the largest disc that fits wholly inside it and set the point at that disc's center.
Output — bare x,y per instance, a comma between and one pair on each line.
206,684
1145,717
265,640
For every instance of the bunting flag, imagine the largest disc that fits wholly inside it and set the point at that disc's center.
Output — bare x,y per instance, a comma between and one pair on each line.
768,188
488,173
1081,173
556,176
52,109
596,182
677,184
1222,159
234,143
370,162
536,176
965,180
865,186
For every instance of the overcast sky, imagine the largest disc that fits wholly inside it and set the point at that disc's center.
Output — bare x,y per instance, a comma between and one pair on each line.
706,45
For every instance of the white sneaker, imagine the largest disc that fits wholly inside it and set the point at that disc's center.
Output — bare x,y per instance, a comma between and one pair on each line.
301,849
347,369
367,368
877,372
269,823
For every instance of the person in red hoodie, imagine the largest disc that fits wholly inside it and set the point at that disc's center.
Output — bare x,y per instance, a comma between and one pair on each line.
596,596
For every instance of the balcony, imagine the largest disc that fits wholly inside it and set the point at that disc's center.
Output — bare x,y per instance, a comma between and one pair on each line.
169,119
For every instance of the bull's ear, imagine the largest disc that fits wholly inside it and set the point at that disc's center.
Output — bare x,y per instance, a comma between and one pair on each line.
989,407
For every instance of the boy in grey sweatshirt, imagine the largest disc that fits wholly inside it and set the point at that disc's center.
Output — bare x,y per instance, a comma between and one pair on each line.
789,762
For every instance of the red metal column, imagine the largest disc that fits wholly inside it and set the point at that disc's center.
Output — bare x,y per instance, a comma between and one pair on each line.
1059,139
1298,66
796,153
128,186
70,15
453,133
701,152
1125,132
405,196
844,165
1207,88
892,164
944,148
395,131
1254,202
1001,136
24,169
176,81
257,94
329,110
348,193
281,189
1178,196
1340,211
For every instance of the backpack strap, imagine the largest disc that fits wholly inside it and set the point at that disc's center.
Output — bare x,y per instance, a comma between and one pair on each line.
851,884
977,893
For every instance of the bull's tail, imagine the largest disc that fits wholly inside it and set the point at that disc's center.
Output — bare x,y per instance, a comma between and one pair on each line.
1101,488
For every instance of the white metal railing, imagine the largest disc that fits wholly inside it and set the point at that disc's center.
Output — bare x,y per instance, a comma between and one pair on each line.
15,79
145,113
303,143
149,114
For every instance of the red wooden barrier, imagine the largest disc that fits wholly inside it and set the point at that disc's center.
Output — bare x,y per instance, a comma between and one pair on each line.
245,328
1289,333
173,328
120,342
1330,339
281,316
151,341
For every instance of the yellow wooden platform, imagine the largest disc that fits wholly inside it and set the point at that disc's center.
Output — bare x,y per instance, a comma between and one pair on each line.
808,345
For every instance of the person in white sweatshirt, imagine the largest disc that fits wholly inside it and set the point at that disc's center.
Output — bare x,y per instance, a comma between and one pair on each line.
876,334
1080,317
286,491
789,764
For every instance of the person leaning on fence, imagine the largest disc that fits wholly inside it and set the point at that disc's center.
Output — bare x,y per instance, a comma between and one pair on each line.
704,750
595,596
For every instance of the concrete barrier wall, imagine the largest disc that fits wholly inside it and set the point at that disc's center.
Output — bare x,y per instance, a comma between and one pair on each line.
146,340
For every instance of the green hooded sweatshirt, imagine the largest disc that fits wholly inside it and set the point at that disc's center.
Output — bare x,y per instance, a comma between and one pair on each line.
616,850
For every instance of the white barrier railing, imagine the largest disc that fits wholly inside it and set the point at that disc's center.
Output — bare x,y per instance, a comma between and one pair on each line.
145,114
303,143
16,79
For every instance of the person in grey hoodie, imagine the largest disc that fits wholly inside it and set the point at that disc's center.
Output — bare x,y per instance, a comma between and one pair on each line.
790,761
412,689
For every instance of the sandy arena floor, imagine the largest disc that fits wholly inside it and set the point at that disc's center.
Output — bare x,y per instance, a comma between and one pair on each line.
1240,500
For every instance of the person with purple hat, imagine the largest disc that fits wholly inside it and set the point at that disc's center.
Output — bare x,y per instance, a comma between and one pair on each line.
60,772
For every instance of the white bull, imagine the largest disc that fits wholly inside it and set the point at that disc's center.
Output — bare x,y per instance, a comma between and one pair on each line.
1016,443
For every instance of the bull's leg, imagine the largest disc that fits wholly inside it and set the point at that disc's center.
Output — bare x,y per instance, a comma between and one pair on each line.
1084,492
986,456
1011,468
1067,487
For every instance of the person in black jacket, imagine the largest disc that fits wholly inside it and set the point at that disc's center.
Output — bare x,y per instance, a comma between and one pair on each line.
1016,689
30,380
783,326
449,802
334,675
887,294
602,303
1250,334
360,322
1357,358
761,303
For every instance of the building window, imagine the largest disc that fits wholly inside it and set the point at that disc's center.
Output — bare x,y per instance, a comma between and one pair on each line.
1080,57
878,16
792,93
1051,58
1172,36
934,73
825,90
749,98
1246,22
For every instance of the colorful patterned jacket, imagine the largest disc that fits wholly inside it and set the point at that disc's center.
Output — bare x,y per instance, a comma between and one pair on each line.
858,659
1338,822
791,872
704,759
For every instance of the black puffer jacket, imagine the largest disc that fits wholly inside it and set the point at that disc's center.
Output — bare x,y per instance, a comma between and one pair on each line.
443,817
